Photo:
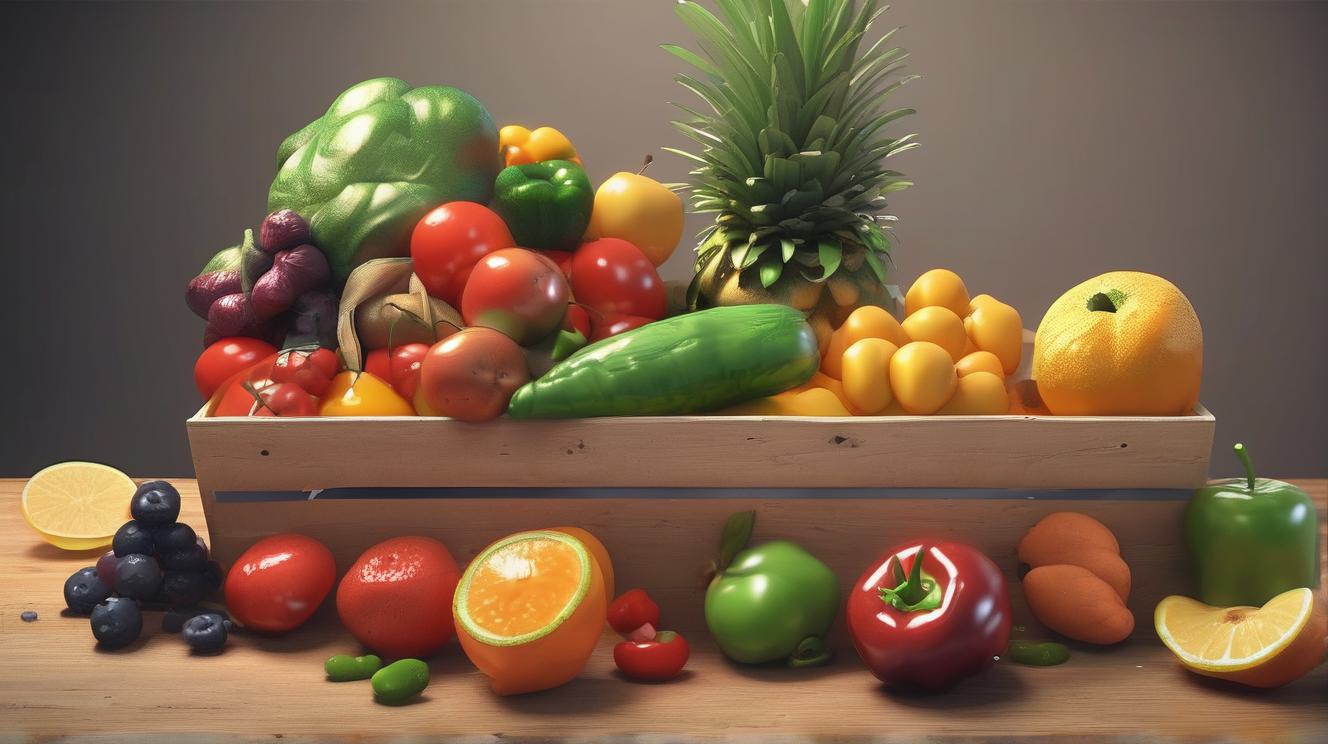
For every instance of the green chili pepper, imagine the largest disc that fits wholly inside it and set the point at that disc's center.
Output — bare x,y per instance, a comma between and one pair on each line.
1034,653
690,363
546,205
1251,539
344,668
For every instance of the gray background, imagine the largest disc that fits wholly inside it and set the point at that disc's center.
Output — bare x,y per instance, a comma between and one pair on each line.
1060,139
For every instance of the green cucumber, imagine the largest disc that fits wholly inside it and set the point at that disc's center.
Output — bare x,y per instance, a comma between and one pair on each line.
691,363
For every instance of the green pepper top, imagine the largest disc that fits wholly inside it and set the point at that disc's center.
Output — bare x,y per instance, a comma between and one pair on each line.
546,205
382,156
1251,539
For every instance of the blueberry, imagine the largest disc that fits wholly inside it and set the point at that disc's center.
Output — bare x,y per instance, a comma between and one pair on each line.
116,622
173,536
206,632
192,558
133,537
155,502
213,576
138,576
182,588
83,590
106,568
173,620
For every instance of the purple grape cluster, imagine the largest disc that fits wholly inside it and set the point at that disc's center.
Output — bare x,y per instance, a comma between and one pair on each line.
276,288
155,562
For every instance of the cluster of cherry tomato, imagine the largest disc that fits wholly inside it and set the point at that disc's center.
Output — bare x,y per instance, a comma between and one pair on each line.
647,654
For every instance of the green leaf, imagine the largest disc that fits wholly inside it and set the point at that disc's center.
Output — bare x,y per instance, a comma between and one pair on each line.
692,58
786,249
771,269
831,253
737,531
753,255
875,265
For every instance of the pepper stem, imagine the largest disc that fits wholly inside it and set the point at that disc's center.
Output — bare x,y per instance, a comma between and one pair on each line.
811,651
1245,460
915,593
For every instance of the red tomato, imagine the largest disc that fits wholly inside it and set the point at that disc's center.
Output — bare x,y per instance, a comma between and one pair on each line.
472,374
605,326
518,292
397,598
561,259
653,661
577,319
613,276
401,367
632,609
311,370
223,359
929,622
286,399
235,397
279,582
448,242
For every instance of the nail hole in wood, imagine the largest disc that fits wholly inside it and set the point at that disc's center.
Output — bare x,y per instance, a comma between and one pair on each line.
264,453
1123,445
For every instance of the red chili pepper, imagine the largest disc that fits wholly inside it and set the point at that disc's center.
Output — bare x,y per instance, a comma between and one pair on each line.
653,661
944,620
631,610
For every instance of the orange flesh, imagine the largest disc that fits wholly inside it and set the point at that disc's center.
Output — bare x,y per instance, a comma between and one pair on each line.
523,587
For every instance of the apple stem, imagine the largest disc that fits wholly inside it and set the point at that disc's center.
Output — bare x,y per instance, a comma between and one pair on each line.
1244,456
649,159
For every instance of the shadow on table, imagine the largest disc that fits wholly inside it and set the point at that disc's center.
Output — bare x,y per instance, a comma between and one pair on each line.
584,695
997,685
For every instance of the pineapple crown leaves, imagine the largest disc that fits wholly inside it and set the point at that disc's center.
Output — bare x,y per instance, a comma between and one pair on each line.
791,152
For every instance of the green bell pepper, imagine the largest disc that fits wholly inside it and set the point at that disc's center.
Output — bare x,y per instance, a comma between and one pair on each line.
1251,539
384,154
546,205
690,363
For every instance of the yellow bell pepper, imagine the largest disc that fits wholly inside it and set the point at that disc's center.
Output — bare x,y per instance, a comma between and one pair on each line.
810,402
521,146
362,394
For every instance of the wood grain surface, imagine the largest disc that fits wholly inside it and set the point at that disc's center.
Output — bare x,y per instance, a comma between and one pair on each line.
58,686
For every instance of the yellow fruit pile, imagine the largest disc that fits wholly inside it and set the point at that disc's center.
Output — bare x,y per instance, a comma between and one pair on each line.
950,356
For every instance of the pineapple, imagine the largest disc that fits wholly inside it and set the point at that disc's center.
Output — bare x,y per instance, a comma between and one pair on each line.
791,153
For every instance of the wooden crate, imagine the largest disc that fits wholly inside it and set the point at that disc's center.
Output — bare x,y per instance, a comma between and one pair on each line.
656,490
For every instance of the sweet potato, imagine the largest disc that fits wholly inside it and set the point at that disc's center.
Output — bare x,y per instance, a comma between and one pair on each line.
1104,564
1074,602
1061,531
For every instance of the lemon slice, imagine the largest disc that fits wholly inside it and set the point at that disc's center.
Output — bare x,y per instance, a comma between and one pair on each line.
1260,646
77,505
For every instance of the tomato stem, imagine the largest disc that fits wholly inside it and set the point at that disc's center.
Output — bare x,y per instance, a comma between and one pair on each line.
917,592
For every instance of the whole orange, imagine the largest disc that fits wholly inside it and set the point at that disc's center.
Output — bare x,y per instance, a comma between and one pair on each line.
1124,343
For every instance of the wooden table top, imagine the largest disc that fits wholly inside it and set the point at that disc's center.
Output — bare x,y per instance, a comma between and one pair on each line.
57,684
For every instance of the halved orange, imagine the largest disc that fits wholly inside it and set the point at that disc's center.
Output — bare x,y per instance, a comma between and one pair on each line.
529,610
1265,646
598,552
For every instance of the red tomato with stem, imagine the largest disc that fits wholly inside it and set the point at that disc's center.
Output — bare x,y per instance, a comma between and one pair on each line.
224,358
613,276
472,374
632,609
929,613
517,292
397,598
449,241
655,660
279,582
286,399
235,397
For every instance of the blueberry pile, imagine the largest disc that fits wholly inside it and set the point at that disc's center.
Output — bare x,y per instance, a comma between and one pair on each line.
155,562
